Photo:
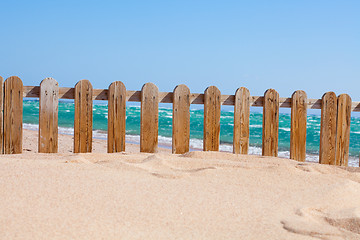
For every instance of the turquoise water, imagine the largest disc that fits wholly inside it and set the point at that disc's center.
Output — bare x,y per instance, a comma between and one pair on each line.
66,121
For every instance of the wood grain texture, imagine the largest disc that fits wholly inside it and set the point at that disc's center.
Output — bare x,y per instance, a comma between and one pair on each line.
48,116
328,128
149,122
343,129
83,118
241,121
116,117
298,126
181,120
270,135
1,115
212,110
13,115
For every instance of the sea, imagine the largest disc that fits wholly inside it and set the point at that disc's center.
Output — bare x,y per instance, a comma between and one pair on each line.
100,115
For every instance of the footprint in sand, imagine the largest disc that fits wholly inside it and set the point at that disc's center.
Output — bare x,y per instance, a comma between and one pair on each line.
160,167
344,224
156,166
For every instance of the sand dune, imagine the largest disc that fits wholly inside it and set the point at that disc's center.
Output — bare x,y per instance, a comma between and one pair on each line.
198,195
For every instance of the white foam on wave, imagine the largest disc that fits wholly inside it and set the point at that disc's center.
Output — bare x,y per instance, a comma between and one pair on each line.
30,126
195,144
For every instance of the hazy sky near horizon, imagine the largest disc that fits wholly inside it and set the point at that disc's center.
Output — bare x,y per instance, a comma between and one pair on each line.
312,45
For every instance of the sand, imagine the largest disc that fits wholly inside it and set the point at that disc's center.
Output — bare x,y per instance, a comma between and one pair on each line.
198,195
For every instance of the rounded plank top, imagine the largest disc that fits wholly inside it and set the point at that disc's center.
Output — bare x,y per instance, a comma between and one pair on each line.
83,82
49,82
14,80
149,88
118,84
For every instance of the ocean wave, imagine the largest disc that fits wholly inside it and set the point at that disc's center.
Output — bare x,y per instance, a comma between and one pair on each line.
285,129
195,144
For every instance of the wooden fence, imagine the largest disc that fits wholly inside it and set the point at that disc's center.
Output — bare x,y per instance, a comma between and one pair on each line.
334,134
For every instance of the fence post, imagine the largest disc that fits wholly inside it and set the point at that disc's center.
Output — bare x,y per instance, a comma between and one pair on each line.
181,119
328,128
116,117
149,121
48,116
241,121
343,129
270,123
298,126
13,115
83,117
1,115
212,110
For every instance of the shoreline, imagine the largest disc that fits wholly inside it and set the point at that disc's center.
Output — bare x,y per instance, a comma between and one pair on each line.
65,144
133,141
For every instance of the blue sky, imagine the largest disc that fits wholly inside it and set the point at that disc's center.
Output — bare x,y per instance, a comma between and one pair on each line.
286,45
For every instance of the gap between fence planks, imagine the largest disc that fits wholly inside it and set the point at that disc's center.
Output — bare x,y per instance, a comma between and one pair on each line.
13,115
48,116
83,117
116,117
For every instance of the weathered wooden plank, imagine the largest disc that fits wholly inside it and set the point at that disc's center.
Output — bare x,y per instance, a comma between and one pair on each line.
1,115
181,120
343,129
212,110
196,98
298,126
48,116
65,93
328,128
116,117
241,121
13,115
83,117
149,122
270,135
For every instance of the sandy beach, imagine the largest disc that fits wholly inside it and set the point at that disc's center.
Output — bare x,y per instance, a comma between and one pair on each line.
198,195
